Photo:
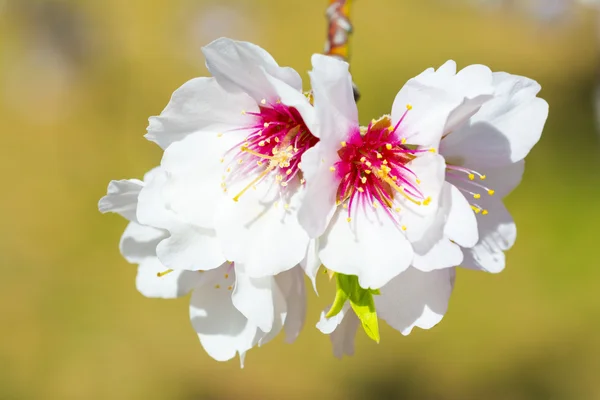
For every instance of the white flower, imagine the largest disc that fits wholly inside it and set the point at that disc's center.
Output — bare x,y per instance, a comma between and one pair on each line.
369,194
220,297
485,161
230,187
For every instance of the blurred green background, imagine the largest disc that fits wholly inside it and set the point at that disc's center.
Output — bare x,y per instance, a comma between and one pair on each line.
78,80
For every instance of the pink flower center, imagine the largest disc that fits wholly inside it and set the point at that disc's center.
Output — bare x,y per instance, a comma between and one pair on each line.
373,169
274,146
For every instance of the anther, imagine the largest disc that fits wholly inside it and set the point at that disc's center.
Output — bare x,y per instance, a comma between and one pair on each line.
161,274
482,177
403,227
343,144
471,176
427,201
491,192
388,146
476,196
363,159
403,141
219,134
484,212
266,124
363,179
409,107
348,219
361,189
217,286
263,102
229,287
332,169
243,112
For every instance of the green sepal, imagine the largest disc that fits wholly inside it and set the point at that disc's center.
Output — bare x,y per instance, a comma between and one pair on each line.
361,301
341,296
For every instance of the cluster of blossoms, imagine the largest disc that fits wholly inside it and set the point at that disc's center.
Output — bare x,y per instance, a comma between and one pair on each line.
262,184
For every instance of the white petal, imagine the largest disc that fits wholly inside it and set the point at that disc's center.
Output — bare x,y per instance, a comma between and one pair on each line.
418,219
318,204
259,232
195,168
342,338
190,248
440,100
122,198
199,105
333,99
497,233
461,225
253,297
243,66
443,254
505,128
172,285
139,242
291,284
328,325
311,262
504,180
152,207
280,312
342,330
415,298
371,246
222,329
434,250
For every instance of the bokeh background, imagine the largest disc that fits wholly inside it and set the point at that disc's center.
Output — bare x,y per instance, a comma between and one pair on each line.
78,80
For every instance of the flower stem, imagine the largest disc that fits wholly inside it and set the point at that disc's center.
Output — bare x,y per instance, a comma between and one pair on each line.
338,33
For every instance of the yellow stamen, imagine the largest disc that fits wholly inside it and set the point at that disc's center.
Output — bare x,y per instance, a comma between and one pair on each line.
388,146
403,141
491,192
348,219
427,201
256,180
471,176
226,276
332,169
482,177
229,287
217,286
403,227
476,196
161,274
363,179
409,107
343,144
219,134
484,212
263,102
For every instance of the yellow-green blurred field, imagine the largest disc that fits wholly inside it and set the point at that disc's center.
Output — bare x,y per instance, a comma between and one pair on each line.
78,80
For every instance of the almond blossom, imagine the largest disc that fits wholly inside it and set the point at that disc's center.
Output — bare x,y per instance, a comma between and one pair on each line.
231,188
220,297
